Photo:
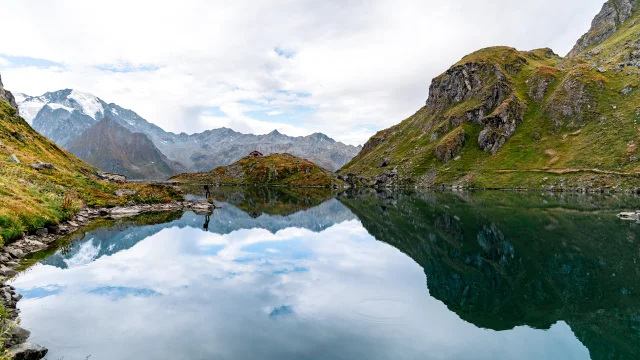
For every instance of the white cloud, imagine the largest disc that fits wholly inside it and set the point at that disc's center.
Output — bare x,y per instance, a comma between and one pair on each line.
360,64
4,62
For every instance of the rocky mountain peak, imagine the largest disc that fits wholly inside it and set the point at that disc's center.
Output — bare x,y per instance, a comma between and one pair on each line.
613,14
7,96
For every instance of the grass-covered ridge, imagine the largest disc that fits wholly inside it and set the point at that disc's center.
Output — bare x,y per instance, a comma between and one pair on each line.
274,169
529,118
32,199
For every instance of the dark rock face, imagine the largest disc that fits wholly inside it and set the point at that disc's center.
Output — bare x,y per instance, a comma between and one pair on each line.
113,148
605,24
499,110
60,125
501,124
469,81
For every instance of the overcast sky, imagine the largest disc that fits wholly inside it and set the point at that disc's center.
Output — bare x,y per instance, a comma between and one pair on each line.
347,68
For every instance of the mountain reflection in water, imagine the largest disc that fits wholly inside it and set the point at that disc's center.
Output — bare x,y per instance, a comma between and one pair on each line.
289,275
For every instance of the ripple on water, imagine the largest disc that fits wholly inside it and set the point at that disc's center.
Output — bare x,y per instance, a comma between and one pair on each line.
386,310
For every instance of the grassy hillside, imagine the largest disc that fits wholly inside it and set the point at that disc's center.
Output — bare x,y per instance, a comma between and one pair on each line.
33,199
507,118
274,169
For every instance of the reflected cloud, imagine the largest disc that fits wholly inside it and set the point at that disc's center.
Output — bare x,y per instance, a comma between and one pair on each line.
172,290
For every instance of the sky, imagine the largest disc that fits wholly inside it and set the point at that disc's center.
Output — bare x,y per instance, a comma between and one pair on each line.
346,68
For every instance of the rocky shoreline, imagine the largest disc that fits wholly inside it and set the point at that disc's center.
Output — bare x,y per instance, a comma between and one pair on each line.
16,337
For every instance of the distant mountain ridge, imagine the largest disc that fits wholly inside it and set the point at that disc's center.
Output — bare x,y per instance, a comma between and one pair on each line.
64,115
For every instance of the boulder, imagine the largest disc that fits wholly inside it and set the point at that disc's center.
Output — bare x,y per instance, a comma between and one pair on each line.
385,163
28,351
16,253
17,335
7,272
629,216
42,232
111,177
14,159
125,192
43,166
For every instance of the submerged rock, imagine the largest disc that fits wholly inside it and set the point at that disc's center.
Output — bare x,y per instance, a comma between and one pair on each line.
28,351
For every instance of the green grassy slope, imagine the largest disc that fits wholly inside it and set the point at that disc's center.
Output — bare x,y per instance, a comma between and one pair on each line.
274,169
31,199
547,121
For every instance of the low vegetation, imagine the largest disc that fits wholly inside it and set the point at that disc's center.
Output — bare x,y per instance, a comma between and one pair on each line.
274,169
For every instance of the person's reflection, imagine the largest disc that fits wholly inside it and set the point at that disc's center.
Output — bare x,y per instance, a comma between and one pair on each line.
206,221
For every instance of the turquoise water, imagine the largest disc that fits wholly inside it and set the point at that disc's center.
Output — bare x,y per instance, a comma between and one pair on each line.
392,275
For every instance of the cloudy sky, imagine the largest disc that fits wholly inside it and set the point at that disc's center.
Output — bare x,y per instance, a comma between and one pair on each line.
347,68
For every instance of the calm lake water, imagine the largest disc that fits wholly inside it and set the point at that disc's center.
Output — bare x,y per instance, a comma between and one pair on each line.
277,274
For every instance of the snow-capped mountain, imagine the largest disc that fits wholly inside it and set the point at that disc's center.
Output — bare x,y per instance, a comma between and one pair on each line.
64,115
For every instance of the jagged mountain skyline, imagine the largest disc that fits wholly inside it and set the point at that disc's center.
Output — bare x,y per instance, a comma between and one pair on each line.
346,77
65,115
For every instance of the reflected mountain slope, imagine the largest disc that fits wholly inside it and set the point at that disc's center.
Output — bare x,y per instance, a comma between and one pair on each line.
502,260
257,200
114,236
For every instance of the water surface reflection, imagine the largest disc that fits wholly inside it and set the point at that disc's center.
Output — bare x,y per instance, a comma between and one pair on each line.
397,275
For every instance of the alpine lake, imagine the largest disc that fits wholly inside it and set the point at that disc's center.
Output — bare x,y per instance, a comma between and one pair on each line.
280,273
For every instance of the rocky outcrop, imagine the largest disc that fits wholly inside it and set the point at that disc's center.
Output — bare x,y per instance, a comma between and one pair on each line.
450,145
539,83
501,124
499,110
470,81
42,166
574,100
7,96
613,14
